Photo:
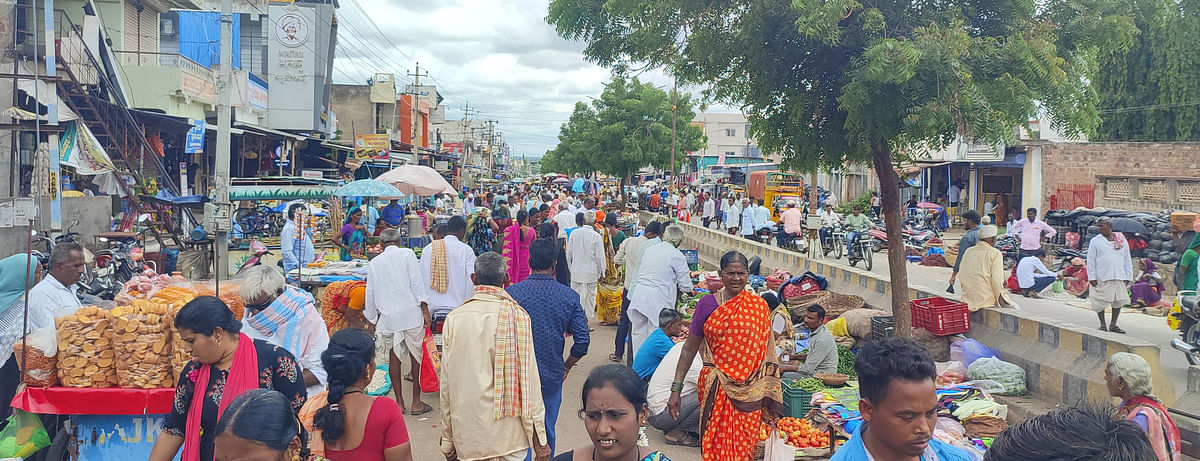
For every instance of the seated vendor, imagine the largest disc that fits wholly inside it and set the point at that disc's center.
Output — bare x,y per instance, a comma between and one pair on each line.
685,429
657,344
822,355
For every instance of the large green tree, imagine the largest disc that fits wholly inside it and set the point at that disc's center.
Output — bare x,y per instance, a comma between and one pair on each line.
1152,92
825,82
624,130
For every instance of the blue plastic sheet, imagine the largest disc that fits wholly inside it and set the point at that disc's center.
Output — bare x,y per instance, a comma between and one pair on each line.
200,38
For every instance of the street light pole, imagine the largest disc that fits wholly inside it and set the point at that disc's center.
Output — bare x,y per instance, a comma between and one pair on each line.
224,120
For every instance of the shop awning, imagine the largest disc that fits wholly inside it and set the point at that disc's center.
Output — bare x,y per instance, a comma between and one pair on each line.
280,192
267,131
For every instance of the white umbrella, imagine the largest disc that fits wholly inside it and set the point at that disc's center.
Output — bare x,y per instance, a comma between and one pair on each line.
417,180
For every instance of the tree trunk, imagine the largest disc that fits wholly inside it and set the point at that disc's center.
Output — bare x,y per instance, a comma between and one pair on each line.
889,193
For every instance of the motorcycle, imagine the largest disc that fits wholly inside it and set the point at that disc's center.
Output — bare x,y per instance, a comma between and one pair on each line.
1011,247
835,242
1189,326
764,235
1063,257
862,250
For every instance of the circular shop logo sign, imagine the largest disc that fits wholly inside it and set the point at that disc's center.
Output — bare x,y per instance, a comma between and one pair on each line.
292,30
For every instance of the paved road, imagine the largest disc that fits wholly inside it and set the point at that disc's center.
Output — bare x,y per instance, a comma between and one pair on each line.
1145,327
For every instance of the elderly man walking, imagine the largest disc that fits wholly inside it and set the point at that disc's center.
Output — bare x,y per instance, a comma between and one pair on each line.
492,406
1110,271
662,273
554,311
981,273
630,256
397,304
446,267
585,258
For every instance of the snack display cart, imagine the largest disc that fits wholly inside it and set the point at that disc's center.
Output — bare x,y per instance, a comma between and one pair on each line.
107,424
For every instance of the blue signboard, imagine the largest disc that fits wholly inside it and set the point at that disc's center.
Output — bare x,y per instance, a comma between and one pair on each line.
195,138
130,437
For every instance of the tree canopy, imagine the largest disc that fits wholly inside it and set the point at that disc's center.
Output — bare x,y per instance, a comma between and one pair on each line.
824,82
1152,92
624,130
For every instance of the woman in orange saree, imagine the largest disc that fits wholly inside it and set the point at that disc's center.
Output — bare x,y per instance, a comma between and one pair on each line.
739,385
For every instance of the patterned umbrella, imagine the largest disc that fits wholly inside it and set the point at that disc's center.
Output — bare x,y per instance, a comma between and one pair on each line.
368,188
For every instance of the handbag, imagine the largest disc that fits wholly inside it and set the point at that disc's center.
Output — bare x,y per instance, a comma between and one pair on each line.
431,362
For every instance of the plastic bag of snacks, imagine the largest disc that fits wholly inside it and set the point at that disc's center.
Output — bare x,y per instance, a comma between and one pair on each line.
40,364
229,295
85,349
176,296
142,346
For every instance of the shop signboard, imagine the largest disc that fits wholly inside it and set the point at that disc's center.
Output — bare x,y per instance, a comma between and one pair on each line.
371,146
311,174
298,57
195,138
256,92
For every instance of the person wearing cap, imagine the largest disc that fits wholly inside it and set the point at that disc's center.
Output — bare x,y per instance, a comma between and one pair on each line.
982,273
792,219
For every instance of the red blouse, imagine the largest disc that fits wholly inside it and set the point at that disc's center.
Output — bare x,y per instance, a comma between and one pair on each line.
385,429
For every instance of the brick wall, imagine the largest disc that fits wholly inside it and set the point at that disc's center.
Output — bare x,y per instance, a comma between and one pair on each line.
1132,176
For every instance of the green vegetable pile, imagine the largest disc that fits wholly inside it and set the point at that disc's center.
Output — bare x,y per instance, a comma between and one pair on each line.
810,385
846,362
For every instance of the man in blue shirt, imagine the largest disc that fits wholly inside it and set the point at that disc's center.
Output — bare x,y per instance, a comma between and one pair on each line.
296,250
554,310
657,344
899,406
393,213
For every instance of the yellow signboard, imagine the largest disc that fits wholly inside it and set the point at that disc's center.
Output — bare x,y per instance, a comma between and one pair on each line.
371,146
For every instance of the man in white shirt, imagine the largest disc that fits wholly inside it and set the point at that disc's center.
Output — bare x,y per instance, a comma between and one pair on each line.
1110,271
55,295
748,224
440,203
1032,275
952,193
727,216
287,317
630,256
690,200
662,273
687,425
585,258
709,210
396,302
829,220
762,216
454,260
565,219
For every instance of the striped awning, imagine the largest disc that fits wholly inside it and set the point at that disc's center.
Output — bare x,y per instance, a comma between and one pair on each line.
280,192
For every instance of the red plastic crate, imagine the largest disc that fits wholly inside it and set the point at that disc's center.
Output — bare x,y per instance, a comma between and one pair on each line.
940,316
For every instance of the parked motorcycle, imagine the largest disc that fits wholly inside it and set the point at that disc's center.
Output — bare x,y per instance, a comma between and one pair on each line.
1011,247
1189,326
1063,257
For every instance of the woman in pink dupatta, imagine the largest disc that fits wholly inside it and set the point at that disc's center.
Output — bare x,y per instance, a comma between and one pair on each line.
517,239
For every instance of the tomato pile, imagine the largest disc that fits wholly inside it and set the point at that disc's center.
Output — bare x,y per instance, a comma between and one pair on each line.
799,433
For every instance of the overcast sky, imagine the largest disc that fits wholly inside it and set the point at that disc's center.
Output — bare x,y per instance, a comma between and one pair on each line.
499,55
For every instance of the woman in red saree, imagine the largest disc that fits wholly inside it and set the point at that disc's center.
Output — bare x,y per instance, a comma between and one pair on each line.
739,384
517,239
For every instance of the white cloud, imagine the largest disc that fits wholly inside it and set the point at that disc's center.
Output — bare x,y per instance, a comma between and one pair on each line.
498,55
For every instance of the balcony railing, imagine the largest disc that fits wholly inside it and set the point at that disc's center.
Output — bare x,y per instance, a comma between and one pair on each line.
151,59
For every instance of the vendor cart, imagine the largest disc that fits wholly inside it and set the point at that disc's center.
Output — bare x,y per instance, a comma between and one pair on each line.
106,424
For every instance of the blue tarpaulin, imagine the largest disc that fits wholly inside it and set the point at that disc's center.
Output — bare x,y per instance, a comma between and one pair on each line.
200,38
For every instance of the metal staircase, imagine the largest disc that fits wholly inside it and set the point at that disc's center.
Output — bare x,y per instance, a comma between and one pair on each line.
113,125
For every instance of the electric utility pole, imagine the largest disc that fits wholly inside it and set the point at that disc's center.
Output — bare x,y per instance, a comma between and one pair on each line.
674,116
416,75
224,120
